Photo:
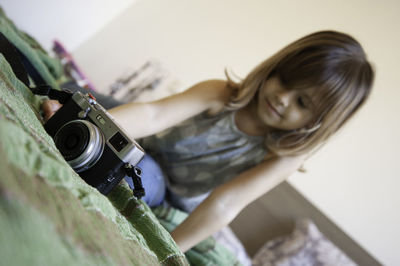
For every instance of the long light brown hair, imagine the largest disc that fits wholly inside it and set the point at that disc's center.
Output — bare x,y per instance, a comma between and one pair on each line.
332,62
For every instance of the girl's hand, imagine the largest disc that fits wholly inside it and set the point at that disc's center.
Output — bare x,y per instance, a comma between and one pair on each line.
49,108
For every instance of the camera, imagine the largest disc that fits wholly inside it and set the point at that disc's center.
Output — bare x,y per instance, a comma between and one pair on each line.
86,135
94,145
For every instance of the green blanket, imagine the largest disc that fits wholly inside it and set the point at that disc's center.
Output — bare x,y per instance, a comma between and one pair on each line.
208,252
48,214
65,217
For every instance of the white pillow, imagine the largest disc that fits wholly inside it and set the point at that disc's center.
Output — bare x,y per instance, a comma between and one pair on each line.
306,245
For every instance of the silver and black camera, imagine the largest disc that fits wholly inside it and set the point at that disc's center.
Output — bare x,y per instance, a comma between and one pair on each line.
86,135
94,145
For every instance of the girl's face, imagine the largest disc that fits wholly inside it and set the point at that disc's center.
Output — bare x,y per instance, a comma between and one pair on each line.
285,109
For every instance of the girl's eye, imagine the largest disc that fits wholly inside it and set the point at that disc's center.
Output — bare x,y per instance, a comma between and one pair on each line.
302,102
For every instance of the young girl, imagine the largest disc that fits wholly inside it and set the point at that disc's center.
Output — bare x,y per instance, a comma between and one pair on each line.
221,145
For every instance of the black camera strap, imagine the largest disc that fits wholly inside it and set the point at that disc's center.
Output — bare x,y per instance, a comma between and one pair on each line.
23,69
135,173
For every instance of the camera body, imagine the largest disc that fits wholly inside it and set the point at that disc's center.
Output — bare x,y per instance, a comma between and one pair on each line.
93,144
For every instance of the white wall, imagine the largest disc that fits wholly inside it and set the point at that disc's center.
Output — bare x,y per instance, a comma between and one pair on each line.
355,178
72,22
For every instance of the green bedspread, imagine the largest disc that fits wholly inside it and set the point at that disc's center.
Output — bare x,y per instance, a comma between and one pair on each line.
49,215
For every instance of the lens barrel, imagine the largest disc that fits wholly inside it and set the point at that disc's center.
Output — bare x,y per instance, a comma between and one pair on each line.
81,143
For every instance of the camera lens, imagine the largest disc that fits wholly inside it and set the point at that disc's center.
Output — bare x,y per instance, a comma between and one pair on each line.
72,140
81,143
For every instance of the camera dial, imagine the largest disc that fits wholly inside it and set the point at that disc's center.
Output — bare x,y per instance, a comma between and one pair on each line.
81,143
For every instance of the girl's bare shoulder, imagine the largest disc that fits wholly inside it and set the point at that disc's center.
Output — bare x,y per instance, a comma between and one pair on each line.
217,87
216,91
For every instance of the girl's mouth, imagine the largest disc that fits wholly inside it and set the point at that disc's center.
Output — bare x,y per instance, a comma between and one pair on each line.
272,108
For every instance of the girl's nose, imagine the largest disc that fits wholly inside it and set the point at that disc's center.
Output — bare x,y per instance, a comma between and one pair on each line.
283,98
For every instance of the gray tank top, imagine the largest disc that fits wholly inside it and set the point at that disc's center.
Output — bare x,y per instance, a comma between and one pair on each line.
204,152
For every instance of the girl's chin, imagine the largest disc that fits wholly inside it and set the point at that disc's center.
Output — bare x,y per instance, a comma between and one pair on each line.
267,118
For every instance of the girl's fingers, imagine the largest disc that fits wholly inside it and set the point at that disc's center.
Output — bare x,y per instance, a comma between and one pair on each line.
49,107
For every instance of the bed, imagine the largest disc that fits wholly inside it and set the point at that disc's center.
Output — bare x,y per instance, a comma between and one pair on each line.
48,214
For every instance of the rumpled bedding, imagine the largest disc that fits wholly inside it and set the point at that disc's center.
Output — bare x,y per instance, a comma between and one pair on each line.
306,245
49,215
208,252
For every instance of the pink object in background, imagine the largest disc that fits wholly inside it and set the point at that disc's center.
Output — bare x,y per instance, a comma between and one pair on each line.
70,67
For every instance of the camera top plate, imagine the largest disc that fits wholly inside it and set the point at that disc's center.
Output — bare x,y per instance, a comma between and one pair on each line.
127,149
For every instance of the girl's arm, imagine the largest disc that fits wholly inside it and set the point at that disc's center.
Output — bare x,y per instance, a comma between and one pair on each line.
227,200
144,119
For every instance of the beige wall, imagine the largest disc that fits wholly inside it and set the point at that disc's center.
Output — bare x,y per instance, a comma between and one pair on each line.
354,179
